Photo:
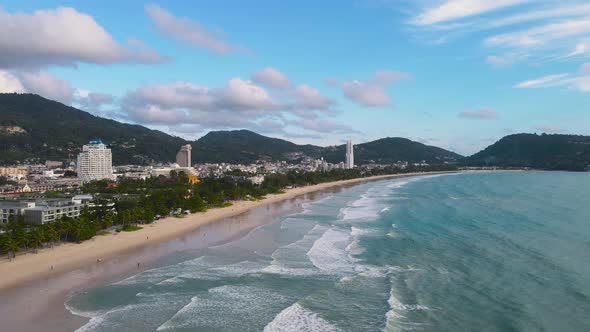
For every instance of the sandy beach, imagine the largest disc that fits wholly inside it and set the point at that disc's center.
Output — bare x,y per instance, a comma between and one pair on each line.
70,256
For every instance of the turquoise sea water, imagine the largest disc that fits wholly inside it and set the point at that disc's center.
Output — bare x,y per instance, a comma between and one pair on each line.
468,252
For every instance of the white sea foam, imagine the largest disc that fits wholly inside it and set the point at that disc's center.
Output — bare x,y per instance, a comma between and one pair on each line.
292,259
328,252
226,308
115,318
308,207
392,233
368,206
396,310
160,274
296,318
96,317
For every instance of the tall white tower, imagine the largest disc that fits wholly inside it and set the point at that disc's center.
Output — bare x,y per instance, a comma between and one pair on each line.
95,162
349,155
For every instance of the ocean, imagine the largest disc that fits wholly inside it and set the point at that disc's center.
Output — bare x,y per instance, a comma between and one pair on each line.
498,251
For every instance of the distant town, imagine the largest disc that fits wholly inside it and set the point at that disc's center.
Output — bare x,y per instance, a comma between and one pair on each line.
46,192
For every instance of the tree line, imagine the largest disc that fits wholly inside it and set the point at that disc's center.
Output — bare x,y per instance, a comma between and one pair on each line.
132,201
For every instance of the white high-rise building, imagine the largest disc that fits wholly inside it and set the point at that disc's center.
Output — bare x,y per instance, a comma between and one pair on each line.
349,155
183,157
95,162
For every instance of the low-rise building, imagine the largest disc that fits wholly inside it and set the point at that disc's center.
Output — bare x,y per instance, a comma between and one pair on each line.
41,211
53,210
11,209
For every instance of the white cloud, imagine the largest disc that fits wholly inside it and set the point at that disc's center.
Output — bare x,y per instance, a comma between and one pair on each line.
326,126
542,81
93,100
310,98
62,36
51,87
579,81
541,35
542,14
579,49
272,78
481,114
241,94
48,86
499,61
547,30
371,92
189,32
10,83
238,104
451,10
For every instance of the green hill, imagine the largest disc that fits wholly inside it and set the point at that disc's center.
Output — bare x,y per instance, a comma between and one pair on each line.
552,152
35,128
244,146
391,150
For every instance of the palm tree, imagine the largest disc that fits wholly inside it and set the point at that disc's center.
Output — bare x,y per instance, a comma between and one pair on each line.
21,238
9,245
51,234
36,238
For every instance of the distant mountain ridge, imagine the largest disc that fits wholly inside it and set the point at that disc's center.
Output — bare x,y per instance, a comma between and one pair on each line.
552,152
34,127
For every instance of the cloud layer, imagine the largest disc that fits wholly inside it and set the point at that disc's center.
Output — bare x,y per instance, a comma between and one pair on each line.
481,114
458,9
371,92
521,29
189,32
63,37
579,81
237,104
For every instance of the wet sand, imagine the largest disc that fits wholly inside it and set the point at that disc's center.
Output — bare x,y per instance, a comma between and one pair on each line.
32,295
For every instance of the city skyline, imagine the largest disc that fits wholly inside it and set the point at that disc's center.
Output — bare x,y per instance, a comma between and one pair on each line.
431,71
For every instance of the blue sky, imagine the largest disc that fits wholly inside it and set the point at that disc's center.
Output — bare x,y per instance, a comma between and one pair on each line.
459,74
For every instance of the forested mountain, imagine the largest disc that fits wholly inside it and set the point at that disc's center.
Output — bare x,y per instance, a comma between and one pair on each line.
553,152
32,127
244,146
391,150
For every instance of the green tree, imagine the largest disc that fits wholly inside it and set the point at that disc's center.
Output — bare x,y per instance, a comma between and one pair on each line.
10,246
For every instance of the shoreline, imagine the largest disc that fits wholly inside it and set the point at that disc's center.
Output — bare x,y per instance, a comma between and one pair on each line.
71,256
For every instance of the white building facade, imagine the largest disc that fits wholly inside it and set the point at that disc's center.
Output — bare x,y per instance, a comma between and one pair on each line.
349,155
183,157
95,162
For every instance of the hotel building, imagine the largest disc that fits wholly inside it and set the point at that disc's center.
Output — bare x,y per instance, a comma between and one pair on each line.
349,155
95,162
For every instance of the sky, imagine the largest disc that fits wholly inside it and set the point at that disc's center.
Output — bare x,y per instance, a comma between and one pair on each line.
458,74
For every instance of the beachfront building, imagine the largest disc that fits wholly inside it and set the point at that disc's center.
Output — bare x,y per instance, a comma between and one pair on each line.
10,210
349,155
49,211
95,162
41,211
183,157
